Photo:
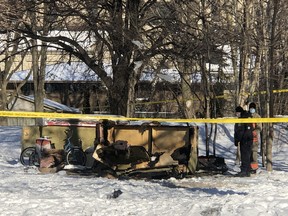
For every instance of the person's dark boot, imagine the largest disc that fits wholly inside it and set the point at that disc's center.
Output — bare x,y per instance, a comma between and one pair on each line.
243,174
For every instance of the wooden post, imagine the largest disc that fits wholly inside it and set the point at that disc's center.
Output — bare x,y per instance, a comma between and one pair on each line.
263,138
193,160
269,142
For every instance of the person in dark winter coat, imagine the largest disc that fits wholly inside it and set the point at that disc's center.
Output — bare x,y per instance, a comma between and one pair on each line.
237,127
244,136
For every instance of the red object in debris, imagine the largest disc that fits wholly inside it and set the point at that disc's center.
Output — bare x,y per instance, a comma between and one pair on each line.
42,143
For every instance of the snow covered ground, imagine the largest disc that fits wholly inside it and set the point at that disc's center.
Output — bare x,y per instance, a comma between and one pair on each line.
27,192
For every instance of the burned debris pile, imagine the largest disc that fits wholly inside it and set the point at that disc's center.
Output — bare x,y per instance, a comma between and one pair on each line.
128,149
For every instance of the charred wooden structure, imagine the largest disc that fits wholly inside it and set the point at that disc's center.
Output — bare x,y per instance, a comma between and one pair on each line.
126,148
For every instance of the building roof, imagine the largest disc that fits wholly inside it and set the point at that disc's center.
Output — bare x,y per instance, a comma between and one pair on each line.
51,105
79,72
76,71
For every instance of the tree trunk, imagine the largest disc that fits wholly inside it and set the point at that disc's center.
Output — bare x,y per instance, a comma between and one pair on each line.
274,9
187,96
6,74
118,93
39,71
131,95
265,72
244,55
3,92
3,98
234,59
254,86
269,149
38,85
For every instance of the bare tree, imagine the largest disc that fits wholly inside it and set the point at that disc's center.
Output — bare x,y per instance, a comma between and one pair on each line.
15,48
11,48
38,69
118,39
129,33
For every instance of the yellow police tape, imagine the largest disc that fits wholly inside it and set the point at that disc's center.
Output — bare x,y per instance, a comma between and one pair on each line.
218,97
111,117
